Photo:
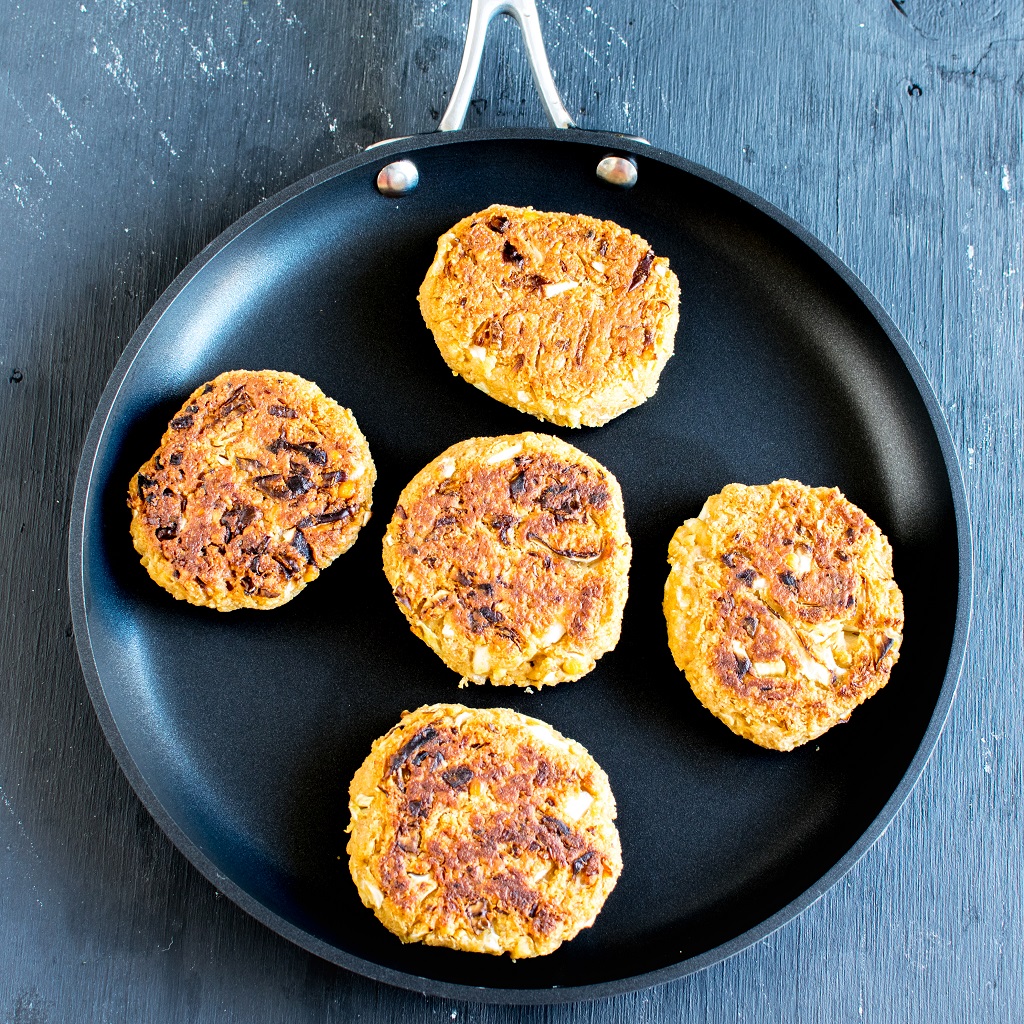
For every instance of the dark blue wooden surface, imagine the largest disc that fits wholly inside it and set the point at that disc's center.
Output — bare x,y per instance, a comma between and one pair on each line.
131,134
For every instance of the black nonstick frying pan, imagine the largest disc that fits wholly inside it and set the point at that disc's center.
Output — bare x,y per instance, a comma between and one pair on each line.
240,732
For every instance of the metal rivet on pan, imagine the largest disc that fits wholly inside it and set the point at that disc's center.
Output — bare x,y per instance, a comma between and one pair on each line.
398,178
618,170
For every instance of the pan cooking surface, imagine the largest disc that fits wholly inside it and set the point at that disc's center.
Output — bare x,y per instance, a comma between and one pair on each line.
241,731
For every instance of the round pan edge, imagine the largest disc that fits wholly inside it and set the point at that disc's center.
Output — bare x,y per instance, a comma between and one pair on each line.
428,986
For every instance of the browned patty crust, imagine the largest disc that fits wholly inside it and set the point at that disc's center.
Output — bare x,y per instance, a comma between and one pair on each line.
259,482
509,557
782,609
482,830
563,316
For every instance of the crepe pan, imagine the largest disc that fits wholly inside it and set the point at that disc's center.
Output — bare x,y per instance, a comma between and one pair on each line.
240,732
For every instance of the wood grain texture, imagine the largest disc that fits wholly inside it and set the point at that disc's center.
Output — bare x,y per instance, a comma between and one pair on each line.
132,134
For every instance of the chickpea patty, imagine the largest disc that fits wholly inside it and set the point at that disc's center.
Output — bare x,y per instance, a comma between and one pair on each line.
563,316
482,830
509,557
782,609
259,483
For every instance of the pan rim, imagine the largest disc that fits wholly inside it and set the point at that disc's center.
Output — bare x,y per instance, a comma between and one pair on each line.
79,598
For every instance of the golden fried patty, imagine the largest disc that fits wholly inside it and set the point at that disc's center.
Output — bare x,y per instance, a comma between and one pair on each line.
509,557
782,610
260,481
482,830
563,316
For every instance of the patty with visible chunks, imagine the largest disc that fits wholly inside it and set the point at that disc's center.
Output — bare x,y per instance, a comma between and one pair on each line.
482,830
259,483
509,557
563,316
782,609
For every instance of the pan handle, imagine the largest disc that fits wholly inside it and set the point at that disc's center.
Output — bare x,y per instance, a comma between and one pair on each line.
525,14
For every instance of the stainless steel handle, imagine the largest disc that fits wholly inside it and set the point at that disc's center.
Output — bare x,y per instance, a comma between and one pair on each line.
525,14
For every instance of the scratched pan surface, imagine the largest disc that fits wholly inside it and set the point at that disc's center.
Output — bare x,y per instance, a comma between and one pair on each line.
241,731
